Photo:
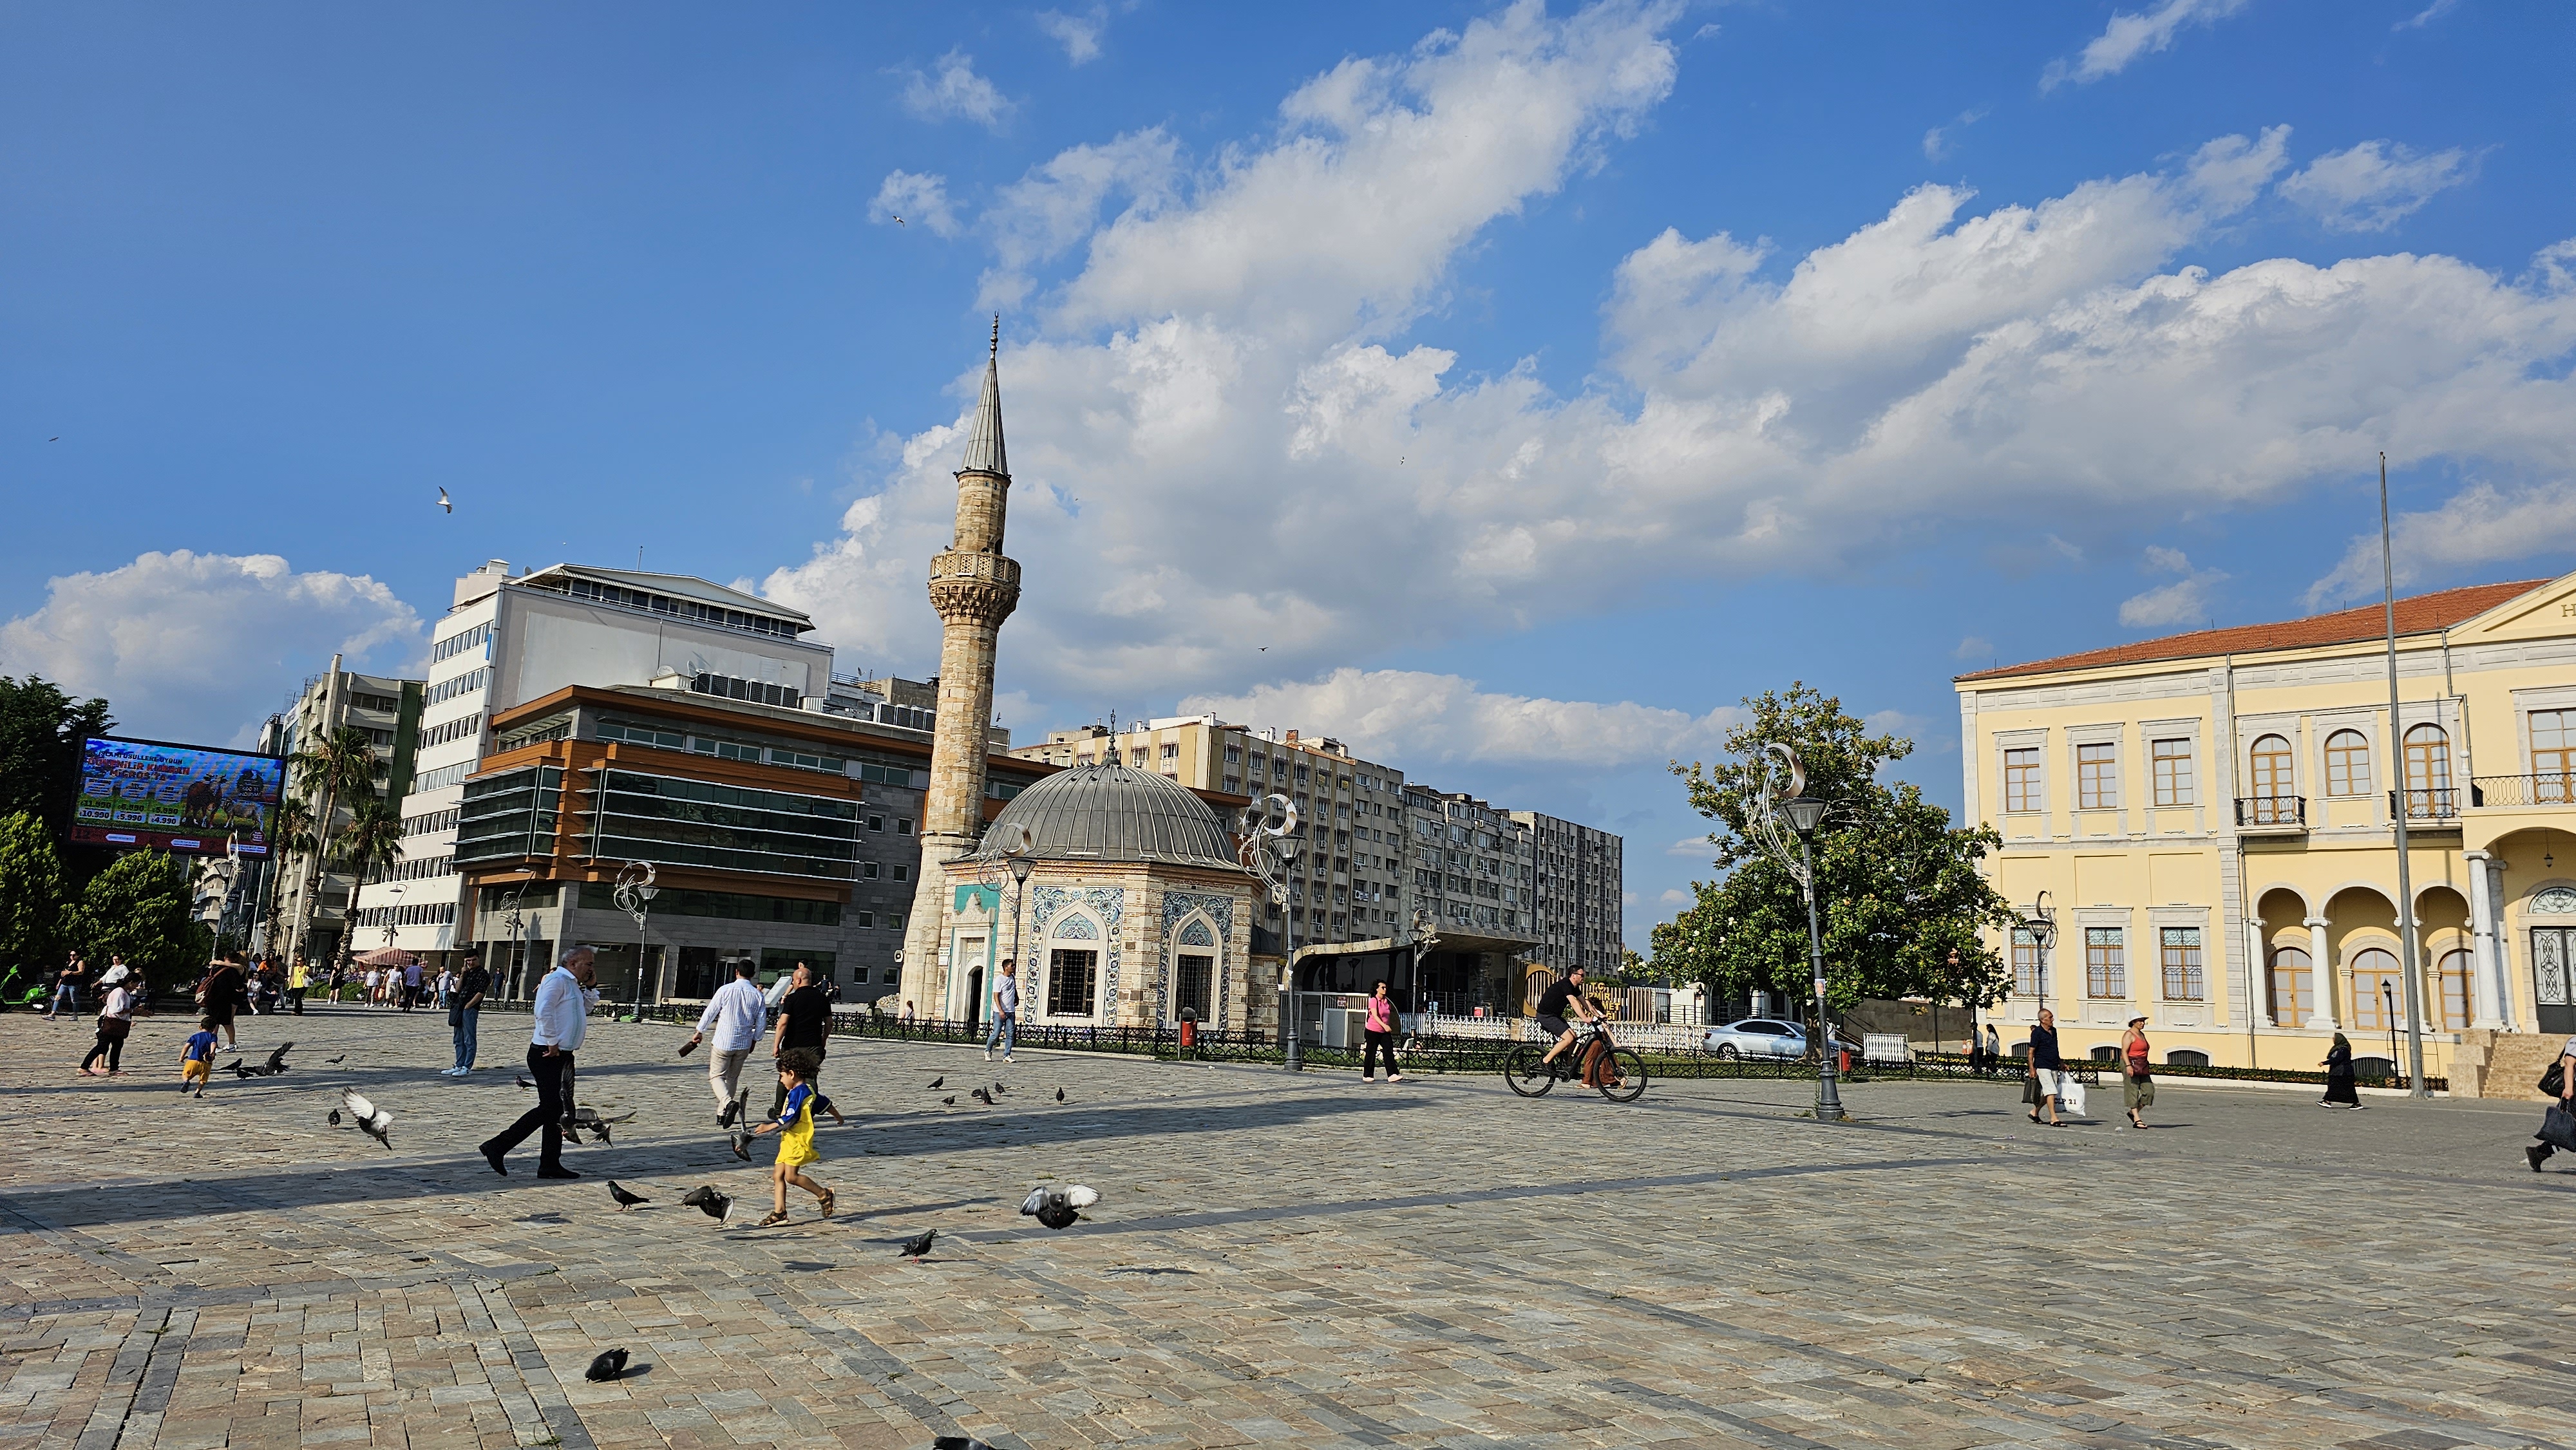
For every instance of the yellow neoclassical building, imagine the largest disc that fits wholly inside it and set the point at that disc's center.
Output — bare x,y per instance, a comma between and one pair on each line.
2206,823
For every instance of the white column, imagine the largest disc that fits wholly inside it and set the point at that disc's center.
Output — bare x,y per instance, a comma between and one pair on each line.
2321,977
2486,981
2490,881
2259,972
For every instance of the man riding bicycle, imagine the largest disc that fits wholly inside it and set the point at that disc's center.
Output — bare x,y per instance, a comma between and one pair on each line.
1561,994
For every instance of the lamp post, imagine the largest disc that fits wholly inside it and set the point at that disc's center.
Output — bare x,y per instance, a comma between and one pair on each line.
2042,926
2397,750
1805,814
1426,939
634,896
1267,850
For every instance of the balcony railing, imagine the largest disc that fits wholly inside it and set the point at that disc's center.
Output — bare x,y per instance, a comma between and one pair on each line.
2275,811
2427,804
2534,788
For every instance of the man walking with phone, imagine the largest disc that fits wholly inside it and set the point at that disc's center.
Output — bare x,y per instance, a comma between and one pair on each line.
562,1012
737,1013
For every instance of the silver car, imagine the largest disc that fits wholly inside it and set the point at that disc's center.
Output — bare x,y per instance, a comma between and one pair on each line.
1758,1037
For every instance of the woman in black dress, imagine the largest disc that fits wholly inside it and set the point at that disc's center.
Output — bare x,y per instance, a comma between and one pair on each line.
2340,1092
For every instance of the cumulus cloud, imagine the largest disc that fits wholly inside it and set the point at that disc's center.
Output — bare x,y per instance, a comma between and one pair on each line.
1078,34
1427,719
2375,185
2185,601
2129,36
951,88
915,200
1243,453
200,647
2481,525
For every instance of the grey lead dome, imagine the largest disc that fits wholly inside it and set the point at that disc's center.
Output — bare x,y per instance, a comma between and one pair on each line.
1108,812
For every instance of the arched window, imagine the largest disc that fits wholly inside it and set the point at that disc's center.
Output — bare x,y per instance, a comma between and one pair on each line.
2453,974
1073,971
2293,987
2428,772
2347,763
2375,989
1194,971
2275,784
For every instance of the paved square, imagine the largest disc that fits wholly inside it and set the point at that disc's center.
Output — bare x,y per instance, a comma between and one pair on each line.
1307,1260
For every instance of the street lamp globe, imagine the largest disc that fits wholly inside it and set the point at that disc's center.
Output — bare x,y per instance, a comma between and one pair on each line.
1020,867
1805,814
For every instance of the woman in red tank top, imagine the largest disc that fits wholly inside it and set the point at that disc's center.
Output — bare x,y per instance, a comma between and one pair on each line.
2137,1086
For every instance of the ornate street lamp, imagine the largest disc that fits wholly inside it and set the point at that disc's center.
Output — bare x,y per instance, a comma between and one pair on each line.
2041,924
634,896
1780,799
1267,851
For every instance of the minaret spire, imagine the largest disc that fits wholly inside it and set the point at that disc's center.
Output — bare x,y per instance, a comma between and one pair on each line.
984,452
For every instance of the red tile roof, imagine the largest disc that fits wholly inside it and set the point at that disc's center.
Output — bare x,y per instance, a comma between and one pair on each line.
2420,615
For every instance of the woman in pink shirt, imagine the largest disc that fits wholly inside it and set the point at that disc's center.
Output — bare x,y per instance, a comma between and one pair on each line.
1380,1025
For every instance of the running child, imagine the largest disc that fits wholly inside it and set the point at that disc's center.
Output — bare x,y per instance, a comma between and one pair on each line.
794,1126
197,1059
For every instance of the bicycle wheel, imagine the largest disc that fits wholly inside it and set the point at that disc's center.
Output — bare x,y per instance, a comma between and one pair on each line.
1528,1075
1630,1070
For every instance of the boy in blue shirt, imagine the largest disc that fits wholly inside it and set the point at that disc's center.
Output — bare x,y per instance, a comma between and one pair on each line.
197,1059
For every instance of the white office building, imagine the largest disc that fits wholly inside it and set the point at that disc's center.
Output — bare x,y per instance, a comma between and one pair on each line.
511,638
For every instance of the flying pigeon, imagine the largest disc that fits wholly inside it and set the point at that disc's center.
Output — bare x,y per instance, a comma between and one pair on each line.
276,1060
609,1365
914,1248
333,1061
982,1096
374,1120
235,1068
948,1102
939,1082
625,1200
589,1121
1059,1095
451,508
708,1201
742,1145
1059,1208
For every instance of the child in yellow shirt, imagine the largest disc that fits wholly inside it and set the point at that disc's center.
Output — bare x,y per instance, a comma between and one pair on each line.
794,1126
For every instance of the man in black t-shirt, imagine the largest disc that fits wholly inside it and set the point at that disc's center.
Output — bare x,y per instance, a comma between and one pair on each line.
804,1020
1561,995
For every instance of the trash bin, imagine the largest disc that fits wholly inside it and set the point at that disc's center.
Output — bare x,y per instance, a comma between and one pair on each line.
1189,1028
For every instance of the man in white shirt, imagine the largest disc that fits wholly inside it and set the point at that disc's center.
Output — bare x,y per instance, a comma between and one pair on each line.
562,1012
738,1014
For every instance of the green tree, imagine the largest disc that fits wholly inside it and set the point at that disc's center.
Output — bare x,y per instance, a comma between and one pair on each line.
138,909
1903,908
31,898
369,846
339,766
41,730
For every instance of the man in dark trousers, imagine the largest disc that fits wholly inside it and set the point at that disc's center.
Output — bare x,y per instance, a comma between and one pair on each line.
804,1020
562,1012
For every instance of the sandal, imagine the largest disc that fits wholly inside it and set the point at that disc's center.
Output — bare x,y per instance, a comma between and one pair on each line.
773,1221
826,1205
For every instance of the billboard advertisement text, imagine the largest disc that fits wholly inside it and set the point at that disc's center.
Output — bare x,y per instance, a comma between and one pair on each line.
186,798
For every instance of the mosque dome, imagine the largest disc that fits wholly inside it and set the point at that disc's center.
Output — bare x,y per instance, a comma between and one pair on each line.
1110,813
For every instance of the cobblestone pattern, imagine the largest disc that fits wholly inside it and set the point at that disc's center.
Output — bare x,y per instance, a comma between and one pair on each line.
1276,1259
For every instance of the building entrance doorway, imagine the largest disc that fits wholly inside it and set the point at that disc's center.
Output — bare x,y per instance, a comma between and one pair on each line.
2551,948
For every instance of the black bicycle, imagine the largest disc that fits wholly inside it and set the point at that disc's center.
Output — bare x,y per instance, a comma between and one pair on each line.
1530,1074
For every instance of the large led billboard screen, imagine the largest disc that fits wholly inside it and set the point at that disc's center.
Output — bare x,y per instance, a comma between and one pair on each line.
185,798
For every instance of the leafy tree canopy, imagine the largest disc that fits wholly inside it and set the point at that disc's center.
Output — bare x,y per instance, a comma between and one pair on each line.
41,729
31,896
138,909
1903,909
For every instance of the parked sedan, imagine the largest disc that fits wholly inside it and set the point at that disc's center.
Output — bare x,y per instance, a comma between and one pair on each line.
1763,1037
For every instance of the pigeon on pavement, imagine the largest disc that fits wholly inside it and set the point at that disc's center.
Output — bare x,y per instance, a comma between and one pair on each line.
334,1061
982,1096
1059,1207
708,1201
959,1442
522,1080
335,1117
939,1082
374,1120
625,1200
234,1067
609,1365
998,1089
914,1248
948,1102
1059,1095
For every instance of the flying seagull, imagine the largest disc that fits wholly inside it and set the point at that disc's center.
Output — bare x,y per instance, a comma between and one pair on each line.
609,1365
374,1120
708,1201
898,221
1059,1208
625,1200
444,502
914,1248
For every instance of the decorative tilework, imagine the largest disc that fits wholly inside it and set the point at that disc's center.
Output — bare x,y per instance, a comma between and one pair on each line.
1177,904
1109,903
1196,934
1076,928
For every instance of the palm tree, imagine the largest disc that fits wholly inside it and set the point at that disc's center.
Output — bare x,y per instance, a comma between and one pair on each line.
290,830
342,762
370,844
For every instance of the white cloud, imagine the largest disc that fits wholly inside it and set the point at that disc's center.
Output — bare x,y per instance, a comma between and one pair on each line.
1245,455
1078,34
1426,719
915,200
2480,525
2427,15
951,88
1937,142
1975,646
201,647
2375,185
1695,848
2185,601
2129,36
1675,896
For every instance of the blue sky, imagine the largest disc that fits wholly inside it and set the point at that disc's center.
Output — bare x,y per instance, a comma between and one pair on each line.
1508,390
